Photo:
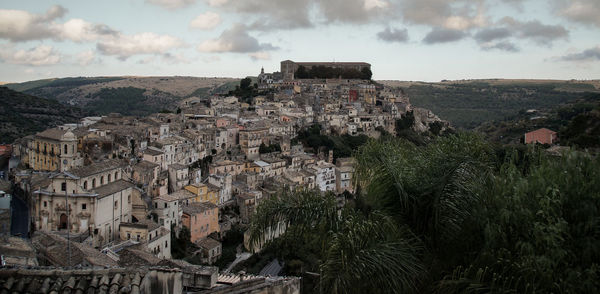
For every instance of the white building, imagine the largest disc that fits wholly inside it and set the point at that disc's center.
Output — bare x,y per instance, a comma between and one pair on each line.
324,176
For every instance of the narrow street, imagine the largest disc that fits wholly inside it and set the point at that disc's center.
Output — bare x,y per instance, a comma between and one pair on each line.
19,217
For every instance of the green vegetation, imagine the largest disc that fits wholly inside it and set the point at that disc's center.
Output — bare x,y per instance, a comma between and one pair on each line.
200,92
454,216
22,114
127,101
576,124
342,146
268,149
325,72
468,105
246,91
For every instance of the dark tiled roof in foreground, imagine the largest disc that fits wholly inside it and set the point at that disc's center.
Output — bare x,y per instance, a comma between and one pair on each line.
116,280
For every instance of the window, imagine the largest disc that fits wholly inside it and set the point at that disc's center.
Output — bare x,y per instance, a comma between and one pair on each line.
128,198
65,149
108,180
83,206
116,204
93,183
166,244
128,236
85,185
155,204
63,186
45,204
166,205
102,180
116,175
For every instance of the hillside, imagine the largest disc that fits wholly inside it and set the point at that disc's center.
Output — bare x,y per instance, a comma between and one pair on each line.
128,95
577,123
22,114
467,104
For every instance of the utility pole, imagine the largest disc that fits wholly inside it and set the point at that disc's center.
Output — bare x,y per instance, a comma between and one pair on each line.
68,219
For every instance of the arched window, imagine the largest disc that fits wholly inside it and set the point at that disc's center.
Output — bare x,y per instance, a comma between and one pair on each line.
116,175
66,150
85,185
108,180
93,183
102,180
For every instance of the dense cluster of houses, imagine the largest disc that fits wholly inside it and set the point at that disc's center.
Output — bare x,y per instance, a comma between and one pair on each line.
113,182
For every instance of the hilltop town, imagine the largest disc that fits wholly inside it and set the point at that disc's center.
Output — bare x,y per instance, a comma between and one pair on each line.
123,191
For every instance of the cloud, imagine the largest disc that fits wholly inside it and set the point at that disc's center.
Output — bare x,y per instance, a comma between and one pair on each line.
352,11
509,27
260,56
36,56
271,14
125,46
540,33
293,14
592,54
393,35
456,14
582,11
206,21
504,46
172,4
235,39
85,58
441,35
19,25
491,34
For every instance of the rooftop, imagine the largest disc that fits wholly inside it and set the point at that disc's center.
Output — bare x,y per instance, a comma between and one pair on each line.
96,168
198,207
112,188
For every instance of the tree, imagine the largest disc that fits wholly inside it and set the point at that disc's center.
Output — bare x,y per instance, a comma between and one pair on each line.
366,73
245,83
412,206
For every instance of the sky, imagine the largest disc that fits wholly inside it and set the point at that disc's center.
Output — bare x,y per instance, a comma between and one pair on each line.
412,40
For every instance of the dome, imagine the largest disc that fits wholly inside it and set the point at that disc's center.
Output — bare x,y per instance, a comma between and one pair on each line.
69,136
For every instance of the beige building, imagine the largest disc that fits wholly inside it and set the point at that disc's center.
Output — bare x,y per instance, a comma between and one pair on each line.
54,149
250,140
90,200
155,238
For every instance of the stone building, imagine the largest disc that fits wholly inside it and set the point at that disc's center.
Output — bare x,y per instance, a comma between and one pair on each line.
54,149
91,199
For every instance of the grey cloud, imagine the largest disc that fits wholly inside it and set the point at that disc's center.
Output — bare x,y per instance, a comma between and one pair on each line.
235,39
586,55
102,29
293,14
491,34
504,46
53,13
441,35
582,11
274,14
541,33
508,27
353,11
172,4
393,35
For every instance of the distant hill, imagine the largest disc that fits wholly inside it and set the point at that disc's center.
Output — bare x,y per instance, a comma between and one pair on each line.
22,114
469,103
128,95
577,123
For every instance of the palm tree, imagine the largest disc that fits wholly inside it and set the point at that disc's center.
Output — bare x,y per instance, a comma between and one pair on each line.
412,202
